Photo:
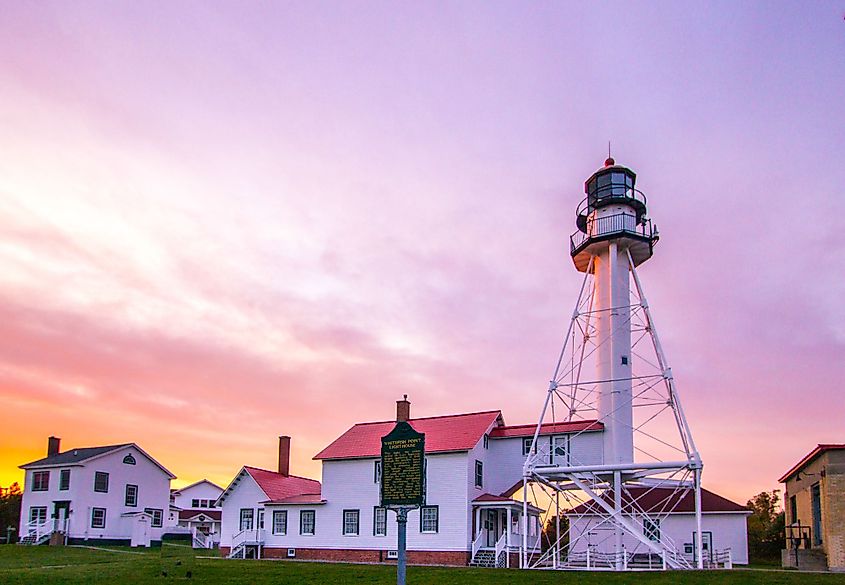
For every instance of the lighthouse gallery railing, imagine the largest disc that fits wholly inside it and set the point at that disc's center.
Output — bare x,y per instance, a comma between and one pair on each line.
619,223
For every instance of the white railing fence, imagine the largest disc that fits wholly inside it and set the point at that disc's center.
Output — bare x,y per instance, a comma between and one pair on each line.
248,536
501,546
477,543
38,530
201,540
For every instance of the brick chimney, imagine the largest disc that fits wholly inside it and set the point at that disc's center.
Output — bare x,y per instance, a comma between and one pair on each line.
53,444
284,455
403,409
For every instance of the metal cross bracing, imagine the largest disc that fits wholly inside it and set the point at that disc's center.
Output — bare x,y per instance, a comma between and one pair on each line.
607,514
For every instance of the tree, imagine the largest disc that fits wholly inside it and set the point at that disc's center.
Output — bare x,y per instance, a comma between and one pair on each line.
765,527
550,534
10,508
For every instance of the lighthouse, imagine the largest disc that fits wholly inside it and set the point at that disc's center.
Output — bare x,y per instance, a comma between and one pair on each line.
613,227
619,478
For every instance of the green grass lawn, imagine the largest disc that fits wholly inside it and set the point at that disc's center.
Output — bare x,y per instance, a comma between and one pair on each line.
170,564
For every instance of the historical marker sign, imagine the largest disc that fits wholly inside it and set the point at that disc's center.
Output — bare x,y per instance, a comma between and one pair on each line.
402,467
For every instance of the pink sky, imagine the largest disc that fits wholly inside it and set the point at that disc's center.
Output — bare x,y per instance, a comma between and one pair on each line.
224,222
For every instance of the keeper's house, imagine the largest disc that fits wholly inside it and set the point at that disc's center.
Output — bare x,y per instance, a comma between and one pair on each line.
473,467
117,494
815,510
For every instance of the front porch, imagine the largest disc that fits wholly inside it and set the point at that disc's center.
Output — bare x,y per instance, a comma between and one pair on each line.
498,530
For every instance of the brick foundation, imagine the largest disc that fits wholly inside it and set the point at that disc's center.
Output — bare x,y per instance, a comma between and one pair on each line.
415,557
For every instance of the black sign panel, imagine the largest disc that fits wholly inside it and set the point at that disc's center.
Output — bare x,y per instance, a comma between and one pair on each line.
402,467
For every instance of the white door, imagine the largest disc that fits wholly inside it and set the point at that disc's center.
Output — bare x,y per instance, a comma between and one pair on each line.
140,531
560,450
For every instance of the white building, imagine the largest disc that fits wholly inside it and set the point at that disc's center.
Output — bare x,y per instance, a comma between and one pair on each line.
117,494
193,509
724,527
473,467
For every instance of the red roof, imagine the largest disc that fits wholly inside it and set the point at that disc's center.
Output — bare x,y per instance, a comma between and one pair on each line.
189,514
665,500
279,487
546,429
492,498
300,499
809,457
457,432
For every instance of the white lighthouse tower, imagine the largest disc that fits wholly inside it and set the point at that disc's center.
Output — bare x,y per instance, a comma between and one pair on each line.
612,486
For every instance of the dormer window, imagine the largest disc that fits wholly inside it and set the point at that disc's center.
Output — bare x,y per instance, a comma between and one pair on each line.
129,460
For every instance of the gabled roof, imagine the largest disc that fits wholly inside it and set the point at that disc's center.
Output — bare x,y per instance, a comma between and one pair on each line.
279,487
664,501
195,514
86,454
74,456
443,434
196,483
276,487
546,429
809,457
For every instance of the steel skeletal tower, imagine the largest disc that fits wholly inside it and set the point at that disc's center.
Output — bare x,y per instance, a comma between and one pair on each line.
607,502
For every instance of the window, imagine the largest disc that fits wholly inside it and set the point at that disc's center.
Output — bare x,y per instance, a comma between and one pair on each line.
306,522
486,441
40,481
101,481
98,517
195,503
559,450
379,521
131,498
793,510
38,514
129,460
350,522
157,514
651,529
246,518
261,518
377,471
479,474
429,519
527,443
64,479
280,522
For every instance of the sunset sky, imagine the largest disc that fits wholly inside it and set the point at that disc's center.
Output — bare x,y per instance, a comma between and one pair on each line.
222,222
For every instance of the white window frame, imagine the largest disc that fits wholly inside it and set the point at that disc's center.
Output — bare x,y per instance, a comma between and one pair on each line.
157,515
479,474
379,521
98,475
377,471
246,519
280,521
351,522
554,457
303,514
134,492
94,514
429,514
64,474
38,514
42,483
527,443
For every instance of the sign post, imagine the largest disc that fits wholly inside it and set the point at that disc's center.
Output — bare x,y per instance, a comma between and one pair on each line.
402,481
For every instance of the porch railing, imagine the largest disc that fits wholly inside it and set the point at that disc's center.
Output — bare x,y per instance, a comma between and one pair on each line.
248,536
501,546
477,543
202,540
